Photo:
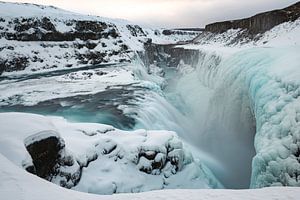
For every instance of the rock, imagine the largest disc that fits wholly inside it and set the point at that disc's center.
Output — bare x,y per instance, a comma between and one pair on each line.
167,32
187,31
155,162
50,159
91,57
24,24
259,23
35,29
168,55
136,30
90,26
13,64
44,149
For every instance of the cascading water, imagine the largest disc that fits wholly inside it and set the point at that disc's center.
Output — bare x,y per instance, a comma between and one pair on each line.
222,103
207,116
217,104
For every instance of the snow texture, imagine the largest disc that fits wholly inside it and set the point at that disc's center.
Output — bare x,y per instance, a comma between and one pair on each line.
112,161
31,34
16,184
243,89
251,86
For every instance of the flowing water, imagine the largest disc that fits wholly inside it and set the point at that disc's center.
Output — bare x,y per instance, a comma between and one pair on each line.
218,129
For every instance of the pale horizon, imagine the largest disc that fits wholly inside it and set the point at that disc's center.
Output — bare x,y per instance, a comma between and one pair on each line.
167,13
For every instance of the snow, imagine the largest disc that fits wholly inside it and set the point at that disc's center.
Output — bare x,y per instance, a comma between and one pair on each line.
112,159
245,99
40,136
84,82
246,89
17,184
56,55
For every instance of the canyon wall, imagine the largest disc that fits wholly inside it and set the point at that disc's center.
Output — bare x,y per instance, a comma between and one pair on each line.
259,23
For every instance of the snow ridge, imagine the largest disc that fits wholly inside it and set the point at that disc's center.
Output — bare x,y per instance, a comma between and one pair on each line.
110,160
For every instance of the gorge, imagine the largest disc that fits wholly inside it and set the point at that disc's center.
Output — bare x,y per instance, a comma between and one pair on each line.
230,94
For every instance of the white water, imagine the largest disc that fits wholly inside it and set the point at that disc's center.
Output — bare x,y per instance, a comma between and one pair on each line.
219,126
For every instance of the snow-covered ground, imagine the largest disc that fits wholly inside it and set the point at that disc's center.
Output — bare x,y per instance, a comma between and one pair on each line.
112,161
241,97
15,184
34,33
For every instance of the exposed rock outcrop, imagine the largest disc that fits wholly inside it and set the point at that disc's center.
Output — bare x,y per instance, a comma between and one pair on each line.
192,32
168,55
135,30
36,29
51,160
13,63
259,23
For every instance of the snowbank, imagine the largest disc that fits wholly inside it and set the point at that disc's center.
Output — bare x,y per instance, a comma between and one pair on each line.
17,184
111,160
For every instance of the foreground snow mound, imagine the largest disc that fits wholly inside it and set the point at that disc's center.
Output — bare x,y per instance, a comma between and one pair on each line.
100,159
12,176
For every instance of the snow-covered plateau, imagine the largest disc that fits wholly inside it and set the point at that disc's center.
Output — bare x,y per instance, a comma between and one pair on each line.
104,106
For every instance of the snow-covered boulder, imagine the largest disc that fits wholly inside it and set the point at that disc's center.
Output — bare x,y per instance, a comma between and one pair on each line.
51,160
98,158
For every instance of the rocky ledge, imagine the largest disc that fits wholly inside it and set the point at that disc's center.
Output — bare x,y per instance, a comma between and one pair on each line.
259,23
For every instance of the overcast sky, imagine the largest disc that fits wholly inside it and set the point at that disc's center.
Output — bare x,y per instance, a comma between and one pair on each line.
168,13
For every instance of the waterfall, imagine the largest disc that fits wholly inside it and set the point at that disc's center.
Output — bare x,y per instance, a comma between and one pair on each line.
218,124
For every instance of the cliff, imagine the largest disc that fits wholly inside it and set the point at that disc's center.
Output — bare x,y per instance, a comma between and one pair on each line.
36,38
259,23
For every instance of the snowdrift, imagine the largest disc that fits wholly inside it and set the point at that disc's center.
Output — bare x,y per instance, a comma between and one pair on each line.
100,159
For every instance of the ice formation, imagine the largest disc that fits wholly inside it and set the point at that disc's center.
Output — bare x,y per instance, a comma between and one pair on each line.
100,159
233,103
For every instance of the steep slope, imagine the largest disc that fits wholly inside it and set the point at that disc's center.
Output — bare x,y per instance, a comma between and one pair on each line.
37,38
259,23
249,29
52,60
251,89
234,95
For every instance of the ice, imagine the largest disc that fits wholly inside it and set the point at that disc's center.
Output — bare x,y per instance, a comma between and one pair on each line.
17,184
237,109
111,160
252,91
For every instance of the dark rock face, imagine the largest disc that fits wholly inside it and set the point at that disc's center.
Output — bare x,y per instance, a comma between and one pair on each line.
44,154
76,34
187,31
13,64
90,26
91,57
167,32
168,55
136,30
50,159
35,29
26,24
259,23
